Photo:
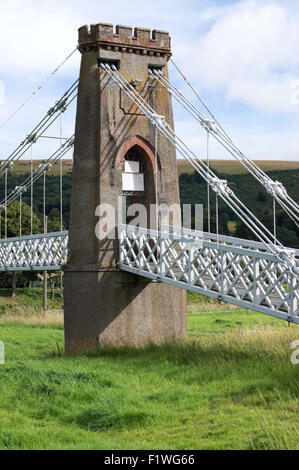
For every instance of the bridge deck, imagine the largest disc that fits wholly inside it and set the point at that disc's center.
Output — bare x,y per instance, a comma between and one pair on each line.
236,271
241,272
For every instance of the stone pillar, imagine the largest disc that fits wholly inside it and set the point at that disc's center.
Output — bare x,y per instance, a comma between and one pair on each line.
104,306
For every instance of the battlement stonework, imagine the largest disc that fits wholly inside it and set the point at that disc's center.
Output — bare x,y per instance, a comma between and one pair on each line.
143,41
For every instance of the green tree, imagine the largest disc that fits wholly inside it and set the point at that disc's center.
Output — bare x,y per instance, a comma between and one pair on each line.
13,221
261,196
13,230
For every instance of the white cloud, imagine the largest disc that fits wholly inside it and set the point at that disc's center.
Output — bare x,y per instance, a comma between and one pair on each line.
2,92
38,33
242,52
257,143
250,52
36,36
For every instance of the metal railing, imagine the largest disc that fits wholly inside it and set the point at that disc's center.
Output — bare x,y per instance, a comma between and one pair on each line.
236,271
245,276
42,252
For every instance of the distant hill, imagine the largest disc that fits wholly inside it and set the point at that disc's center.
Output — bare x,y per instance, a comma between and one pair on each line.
193,190
230,167
23,166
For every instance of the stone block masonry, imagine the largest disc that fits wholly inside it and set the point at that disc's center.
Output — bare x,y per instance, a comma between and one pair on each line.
142,41
102,304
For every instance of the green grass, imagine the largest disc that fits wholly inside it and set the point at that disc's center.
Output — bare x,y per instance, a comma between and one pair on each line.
27,303
231,385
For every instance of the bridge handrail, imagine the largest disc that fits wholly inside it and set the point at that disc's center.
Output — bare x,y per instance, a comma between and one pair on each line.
34,237
249,278
196,242
224,238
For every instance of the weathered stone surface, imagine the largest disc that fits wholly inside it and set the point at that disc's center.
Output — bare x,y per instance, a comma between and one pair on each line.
121,309
98,308
141,40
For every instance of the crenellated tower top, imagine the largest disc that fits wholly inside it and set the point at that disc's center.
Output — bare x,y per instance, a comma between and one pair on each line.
143,41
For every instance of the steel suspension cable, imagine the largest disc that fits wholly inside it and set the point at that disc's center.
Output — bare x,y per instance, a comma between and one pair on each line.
5,203
274,188
156,172
208,183
188,104
44,201
62,104
61,177
222,138
196,163
274,220
198,96
217,218
38,88
20,214
31,192
58,154
220,187
33,139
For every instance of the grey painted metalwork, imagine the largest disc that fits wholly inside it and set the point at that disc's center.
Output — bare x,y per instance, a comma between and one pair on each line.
235,271
220,187
212,126
43,252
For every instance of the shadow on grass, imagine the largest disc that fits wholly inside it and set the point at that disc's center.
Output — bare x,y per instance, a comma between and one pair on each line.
180,352
258,365
5,293
97,417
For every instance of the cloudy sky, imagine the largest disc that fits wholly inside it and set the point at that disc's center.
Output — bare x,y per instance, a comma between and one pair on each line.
242,57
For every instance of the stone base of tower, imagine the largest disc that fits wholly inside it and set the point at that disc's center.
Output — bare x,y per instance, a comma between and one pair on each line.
115,309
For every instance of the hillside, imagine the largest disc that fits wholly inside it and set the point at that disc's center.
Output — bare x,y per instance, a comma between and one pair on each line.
193,190
231,167
22,167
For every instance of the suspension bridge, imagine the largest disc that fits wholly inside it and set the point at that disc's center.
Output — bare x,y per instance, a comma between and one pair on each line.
125,144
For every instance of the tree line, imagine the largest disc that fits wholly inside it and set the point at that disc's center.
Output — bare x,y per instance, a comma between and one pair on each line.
193,190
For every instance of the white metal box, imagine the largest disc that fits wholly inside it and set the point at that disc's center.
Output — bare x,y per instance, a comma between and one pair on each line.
133,182
132,167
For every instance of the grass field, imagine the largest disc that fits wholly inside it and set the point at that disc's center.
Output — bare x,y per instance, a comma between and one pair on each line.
27,303
223,166
231,385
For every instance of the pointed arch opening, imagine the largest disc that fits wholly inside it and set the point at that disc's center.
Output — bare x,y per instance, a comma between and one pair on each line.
138,162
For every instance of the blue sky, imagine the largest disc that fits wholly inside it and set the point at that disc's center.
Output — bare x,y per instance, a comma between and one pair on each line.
242,57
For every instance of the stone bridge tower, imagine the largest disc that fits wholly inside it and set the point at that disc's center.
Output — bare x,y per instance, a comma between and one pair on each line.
103,305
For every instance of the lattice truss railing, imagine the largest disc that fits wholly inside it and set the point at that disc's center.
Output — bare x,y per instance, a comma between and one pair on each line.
248,277
46,252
